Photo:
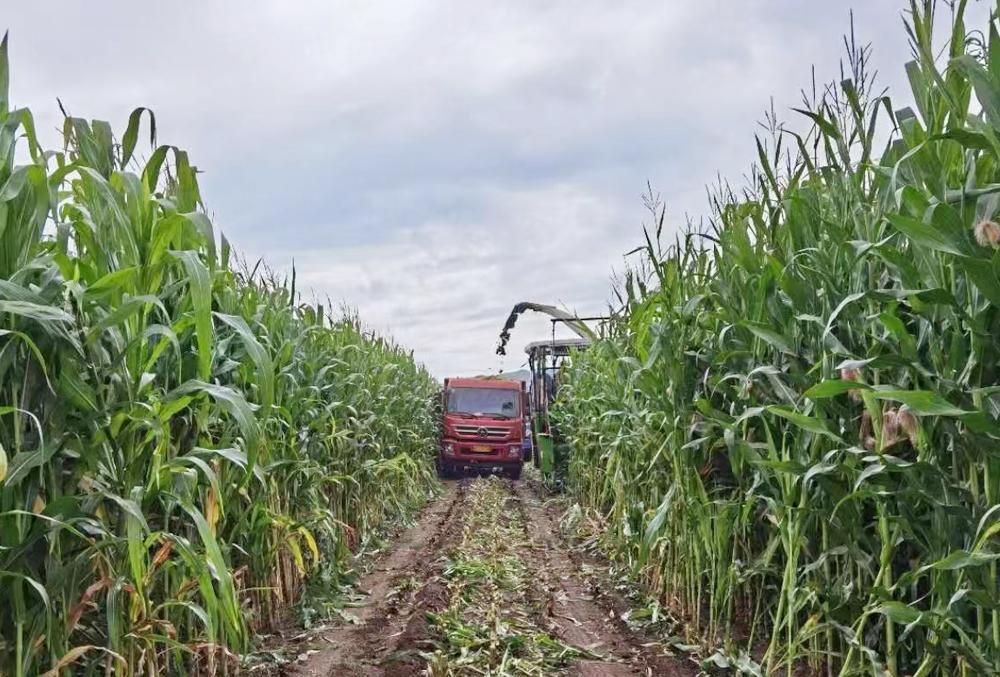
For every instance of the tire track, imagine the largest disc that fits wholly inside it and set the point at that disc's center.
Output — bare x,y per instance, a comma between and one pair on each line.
576,615
394,637
400,585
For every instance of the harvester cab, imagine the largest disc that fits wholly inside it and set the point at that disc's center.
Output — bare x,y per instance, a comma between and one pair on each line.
545,359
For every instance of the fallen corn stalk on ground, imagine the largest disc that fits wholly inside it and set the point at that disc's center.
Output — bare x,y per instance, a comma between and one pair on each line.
484,584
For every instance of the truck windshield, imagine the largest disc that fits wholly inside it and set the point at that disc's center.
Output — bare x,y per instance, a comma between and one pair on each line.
484,401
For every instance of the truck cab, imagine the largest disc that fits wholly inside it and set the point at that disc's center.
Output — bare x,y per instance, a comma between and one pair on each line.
483,423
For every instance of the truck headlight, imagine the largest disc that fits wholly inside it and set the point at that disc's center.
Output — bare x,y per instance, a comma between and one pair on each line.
514,451
448,449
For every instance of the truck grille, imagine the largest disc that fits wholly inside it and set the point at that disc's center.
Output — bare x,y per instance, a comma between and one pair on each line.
486,431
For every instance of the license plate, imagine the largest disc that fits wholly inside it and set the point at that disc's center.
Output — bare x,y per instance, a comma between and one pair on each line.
481,448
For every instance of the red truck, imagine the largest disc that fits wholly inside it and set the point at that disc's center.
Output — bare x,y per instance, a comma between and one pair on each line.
483,426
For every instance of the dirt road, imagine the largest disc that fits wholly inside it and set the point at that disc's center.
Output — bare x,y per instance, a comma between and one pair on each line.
483,584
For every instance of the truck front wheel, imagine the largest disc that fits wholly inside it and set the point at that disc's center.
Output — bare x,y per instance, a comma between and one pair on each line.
445,470
514,472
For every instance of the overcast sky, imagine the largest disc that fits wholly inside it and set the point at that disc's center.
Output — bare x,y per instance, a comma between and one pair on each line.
432,163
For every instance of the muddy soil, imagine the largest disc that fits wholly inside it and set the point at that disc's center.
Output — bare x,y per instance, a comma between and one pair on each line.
582,609
388,627
392,634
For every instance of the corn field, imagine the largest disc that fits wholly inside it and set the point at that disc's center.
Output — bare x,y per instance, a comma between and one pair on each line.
791,425
183,444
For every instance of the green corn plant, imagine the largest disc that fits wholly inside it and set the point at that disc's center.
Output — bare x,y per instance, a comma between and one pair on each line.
789,426
184,443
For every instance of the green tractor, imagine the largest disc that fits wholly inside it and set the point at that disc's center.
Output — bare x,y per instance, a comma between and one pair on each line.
545,360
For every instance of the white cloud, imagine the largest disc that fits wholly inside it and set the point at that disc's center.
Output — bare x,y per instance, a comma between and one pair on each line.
444,289
434,162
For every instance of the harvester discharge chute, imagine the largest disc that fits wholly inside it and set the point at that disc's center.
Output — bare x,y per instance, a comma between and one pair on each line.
569,319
